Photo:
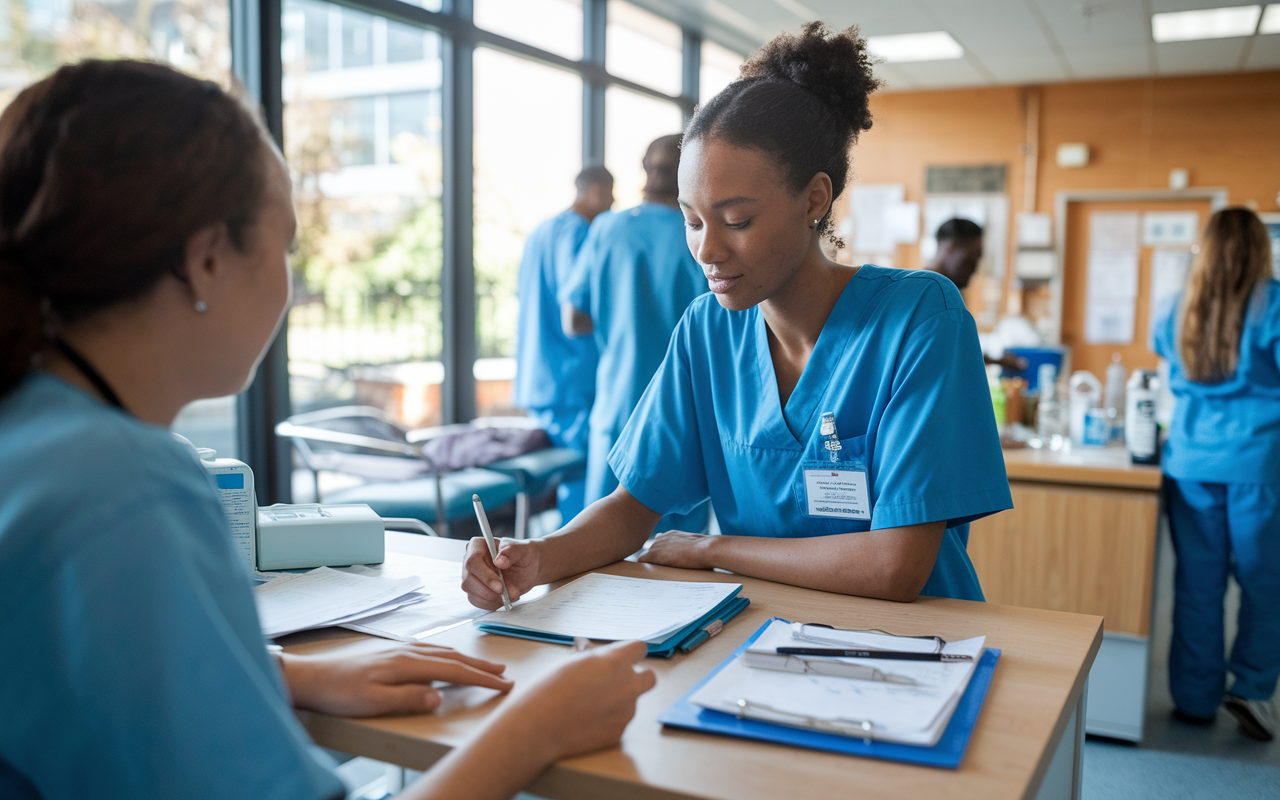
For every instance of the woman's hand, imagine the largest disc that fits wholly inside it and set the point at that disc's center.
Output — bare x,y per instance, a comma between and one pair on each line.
678,549
582,705
392,681
519,562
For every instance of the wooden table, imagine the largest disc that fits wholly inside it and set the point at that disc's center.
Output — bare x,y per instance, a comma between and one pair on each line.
1027,742
1082,538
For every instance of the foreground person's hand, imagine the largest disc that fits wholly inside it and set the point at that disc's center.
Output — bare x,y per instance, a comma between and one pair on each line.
392,681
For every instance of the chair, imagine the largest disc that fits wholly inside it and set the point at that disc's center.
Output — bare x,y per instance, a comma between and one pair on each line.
365,442
537,472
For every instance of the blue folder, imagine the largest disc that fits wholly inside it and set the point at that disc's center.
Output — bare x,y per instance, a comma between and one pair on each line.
948,752
726,610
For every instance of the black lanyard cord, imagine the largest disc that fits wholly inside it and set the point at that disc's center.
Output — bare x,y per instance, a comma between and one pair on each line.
93,376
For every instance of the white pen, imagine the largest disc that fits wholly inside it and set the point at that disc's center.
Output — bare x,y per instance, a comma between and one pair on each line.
493,546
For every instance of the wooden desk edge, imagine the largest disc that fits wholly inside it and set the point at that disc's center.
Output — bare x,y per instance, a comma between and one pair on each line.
1060,727
1084,475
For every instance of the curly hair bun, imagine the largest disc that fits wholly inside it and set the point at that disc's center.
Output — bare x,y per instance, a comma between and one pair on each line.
837,67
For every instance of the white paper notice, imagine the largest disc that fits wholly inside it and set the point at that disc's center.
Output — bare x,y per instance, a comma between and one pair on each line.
1169,271
1170,227
1111,301
1114,232
868,210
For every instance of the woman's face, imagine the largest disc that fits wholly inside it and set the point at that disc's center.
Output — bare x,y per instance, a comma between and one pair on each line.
744,225
257,288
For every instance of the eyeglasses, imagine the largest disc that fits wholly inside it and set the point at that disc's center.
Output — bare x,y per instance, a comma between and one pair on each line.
801,632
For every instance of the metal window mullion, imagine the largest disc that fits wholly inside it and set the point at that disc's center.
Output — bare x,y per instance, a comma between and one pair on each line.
691,73
256,62
457,280
594,21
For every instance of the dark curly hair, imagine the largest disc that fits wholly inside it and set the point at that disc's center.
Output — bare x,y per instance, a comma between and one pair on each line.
803,100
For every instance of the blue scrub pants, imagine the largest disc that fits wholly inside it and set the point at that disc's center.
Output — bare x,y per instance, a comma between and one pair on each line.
601,482
1220,529
566,427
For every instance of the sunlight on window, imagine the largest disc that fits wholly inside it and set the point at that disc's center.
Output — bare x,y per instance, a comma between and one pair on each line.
643,48
553,25
632,121
523,176
719,69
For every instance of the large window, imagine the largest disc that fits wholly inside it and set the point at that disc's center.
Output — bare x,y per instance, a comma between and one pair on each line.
643,48
523,175
632,121
719,68
362,133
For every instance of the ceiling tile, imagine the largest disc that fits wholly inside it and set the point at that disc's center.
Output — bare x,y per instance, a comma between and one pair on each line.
1113,61
941,74
1039,67
1265,53
874,17
985,27
1209,55
1109,23
895,80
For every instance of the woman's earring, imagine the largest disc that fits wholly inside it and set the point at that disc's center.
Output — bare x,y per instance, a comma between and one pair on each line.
202,306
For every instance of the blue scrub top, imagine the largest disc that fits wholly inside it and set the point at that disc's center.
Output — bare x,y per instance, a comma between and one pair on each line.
553,371
133,664
635,277
897,363
1227,432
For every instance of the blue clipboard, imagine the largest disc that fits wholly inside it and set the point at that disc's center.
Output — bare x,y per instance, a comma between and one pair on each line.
947,753
724,611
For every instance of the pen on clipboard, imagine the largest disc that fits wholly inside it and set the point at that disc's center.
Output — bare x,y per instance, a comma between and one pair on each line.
493,546
893,655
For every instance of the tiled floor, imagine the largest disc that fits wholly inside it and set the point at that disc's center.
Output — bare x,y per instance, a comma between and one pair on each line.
1177,760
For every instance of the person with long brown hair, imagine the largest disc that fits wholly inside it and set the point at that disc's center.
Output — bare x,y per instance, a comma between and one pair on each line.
145,221
1221,337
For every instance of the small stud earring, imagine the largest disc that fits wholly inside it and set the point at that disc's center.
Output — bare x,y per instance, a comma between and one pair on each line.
202,306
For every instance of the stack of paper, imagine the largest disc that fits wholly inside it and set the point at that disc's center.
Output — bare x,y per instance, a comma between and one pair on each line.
448,606
324,596
903,701
663,614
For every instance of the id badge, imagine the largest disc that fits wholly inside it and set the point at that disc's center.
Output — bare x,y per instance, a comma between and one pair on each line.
837,493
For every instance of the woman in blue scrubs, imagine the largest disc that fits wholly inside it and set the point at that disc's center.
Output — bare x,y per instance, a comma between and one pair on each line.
145,220
1221,337
838,418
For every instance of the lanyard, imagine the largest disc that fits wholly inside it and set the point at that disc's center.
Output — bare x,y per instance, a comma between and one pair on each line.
92,375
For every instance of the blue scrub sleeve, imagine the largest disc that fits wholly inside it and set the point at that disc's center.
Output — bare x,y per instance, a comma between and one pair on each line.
567,248
658,458
576,288
156,656
937,451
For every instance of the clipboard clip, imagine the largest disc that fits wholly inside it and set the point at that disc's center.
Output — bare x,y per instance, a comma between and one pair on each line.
840,725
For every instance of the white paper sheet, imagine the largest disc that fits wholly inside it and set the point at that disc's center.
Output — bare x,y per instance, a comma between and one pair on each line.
869,206
1114,231
1109,321
447,605
614,608
1170,227
909,714
1169,271
300,601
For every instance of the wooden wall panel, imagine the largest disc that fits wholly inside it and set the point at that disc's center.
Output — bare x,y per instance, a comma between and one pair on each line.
1063,548
1221,128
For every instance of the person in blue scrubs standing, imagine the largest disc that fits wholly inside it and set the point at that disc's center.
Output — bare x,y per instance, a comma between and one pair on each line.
556,372
633,280
133,663
838,418
1221,337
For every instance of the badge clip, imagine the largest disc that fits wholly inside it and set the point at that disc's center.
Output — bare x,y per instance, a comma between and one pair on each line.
828,429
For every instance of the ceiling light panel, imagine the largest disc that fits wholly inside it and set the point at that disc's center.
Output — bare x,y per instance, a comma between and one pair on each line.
1209,23
1270,19
904,47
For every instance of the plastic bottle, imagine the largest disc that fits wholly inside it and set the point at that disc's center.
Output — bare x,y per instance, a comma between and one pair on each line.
1141,431
997,400
1083,393
234,480
1048,408
1113,397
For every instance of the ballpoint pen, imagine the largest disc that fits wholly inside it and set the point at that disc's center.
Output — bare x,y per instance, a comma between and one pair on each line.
893,655
493,546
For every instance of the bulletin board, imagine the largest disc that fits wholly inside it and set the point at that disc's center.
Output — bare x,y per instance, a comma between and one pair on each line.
1101,280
